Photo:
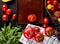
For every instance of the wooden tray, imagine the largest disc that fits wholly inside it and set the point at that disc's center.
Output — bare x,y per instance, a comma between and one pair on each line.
26,7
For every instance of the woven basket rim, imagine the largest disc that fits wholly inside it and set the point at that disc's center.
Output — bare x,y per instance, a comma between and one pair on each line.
47,10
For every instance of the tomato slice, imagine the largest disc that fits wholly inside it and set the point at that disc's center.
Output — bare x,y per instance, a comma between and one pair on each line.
32,18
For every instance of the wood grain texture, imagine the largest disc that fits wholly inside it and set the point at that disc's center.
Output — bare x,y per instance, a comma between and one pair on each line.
26,7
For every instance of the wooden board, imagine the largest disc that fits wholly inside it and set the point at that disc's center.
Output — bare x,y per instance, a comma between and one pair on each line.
26,7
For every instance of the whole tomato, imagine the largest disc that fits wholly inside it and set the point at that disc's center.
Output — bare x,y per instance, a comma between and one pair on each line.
29,33
14,16
55,2
53,8
59,20
39,37
57,14
49,6
32,17
9,11
4,7
48,2
5,17
45,25
46,20
49,31
37,29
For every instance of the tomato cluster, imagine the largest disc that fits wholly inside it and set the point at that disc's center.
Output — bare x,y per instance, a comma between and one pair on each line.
30,33
7,12
34,32
46,21
53,7
49,30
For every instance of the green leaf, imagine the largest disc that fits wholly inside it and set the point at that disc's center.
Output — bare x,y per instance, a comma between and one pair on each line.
10,35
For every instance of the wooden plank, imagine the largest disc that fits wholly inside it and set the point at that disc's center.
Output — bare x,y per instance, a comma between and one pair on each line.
26,7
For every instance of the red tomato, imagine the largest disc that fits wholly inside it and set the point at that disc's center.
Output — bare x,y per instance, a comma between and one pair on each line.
4,7
53,8
58,6
57,14
29,33
48,2
55,2
32,17
39,37
46,20
14,16
37,29
5,17
49,31
45,25
9,11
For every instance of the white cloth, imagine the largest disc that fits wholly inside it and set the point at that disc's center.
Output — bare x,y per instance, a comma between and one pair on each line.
47,40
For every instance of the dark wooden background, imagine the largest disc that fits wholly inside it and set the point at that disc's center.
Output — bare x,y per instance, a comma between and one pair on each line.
14,8
27,7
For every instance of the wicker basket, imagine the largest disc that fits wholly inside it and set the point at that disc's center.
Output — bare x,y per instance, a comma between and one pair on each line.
57,25
47,10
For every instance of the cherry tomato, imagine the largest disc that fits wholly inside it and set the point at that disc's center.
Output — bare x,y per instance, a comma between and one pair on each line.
39,37
45,25
32,17
4,7
14,16
46,20
59,20
53,8
29,33
55,2
49,6
48,2
37,29
49,31
57,14
9,11
5,17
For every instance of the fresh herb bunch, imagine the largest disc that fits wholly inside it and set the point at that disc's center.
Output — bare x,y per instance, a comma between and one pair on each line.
10,35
